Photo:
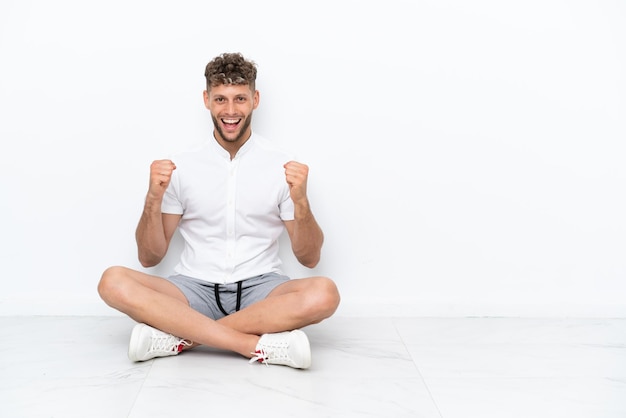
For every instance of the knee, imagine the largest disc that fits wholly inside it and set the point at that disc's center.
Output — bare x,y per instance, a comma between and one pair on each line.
326,297
111,284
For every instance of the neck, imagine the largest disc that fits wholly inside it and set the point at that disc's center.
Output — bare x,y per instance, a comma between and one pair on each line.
232,146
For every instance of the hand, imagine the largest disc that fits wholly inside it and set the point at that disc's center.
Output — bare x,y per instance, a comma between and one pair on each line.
296,175
160,176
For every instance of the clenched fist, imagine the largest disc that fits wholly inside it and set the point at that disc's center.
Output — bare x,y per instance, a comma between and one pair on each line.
296,175
160,176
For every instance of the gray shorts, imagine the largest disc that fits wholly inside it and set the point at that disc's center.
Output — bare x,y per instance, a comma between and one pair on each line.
218,300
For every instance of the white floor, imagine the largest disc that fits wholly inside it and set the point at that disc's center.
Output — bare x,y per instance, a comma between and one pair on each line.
362,367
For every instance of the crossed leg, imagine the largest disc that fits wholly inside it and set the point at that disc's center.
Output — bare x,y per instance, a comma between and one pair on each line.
157,302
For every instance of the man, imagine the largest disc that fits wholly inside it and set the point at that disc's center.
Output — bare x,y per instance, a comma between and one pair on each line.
231,199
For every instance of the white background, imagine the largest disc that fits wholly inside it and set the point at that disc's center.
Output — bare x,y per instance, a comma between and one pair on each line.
467,158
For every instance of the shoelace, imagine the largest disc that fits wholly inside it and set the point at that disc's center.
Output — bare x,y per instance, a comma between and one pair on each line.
260,356
167,343
274,354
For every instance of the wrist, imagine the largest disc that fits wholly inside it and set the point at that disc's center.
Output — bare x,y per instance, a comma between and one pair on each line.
153,203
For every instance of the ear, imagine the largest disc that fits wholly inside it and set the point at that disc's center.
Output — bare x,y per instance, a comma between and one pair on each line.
256,98
205,95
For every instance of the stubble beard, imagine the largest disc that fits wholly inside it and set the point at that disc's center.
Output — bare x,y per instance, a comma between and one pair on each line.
242,131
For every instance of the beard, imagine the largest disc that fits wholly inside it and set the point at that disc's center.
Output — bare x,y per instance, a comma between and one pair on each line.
239,135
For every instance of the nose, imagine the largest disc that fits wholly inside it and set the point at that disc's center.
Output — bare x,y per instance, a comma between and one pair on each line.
230,108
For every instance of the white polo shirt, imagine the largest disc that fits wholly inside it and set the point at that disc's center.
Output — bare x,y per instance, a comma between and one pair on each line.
232,211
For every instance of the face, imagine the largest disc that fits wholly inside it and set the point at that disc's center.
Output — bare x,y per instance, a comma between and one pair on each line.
231,110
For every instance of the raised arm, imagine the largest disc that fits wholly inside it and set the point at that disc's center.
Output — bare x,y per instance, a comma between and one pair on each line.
155,230
304,232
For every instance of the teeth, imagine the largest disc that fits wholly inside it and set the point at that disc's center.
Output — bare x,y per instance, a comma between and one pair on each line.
230,120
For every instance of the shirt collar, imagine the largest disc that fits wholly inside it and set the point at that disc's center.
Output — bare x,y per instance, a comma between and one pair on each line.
244,149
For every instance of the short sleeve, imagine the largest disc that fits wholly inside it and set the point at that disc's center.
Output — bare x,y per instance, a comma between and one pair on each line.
171,201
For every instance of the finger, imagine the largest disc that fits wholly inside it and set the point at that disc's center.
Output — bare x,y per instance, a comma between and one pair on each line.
293,167
163,168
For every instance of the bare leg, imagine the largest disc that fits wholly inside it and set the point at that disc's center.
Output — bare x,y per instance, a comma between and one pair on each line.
291,305
157,302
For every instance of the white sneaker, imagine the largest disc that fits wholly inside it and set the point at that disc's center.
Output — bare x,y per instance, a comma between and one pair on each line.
147,343
289,348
